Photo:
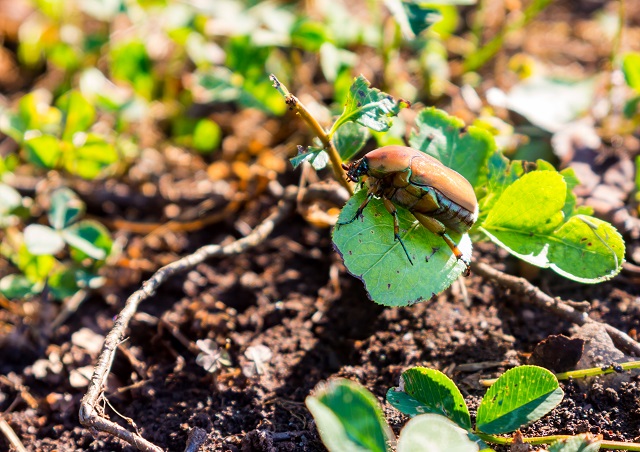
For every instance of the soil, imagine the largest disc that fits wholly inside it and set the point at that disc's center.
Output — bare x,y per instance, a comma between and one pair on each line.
290,294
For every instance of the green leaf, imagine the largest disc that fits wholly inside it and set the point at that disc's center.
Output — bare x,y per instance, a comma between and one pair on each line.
78,113
444,137
206,135
88,238
579,443
10,199
42,240
528,221
12,125
434,433
36,112
17,286
349,418
520,396
65,208
62,283
371,254
349,139
44,151
369,107
35,268
131,63
425,390
417,17
91,156
631,70
308,35
571,207
316,156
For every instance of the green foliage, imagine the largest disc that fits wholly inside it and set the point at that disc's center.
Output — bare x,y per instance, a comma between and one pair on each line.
371,253
436,434
89,243
466,150
349,418
532,215
528,220
58,137
368,107
425,390
520,396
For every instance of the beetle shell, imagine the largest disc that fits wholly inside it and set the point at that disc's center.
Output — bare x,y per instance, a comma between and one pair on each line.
425,171
422,184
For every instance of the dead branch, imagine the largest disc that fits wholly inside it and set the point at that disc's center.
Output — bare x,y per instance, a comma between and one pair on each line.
555,305
91,415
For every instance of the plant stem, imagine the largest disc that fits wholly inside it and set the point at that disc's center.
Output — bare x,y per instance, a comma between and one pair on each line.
294,103
617,445
584,373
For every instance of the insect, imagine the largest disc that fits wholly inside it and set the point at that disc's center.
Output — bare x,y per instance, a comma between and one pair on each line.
438,197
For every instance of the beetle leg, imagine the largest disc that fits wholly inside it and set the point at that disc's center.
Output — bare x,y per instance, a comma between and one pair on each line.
360,209
391,208
438,228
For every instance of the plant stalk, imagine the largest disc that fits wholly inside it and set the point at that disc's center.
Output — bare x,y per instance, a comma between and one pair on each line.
294,103
616,445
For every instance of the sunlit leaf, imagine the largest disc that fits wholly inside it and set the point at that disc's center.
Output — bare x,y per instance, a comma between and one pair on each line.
349,418
527,220
434,433
425,390
520,396
44,151
65,208
88,238
17,286
372,254
78,113
41,239
369,107
466,150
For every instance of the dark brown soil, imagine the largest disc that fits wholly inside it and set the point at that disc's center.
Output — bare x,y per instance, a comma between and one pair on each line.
280,295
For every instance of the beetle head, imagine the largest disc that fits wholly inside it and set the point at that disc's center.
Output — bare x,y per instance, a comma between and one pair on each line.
356,169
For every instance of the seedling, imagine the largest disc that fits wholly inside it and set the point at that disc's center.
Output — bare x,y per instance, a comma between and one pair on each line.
58,137
532,215
35,250
350,418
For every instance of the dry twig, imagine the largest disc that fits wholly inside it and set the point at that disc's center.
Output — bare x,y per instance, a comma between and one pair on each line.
91,414
555,305
11,436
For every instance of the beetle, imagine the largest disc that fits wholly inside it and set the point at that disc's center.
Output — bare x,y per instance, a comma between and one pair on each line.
438,197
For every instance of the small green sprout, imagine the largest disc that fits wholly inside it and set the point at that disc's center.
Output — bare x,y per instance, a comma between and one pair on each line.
35,252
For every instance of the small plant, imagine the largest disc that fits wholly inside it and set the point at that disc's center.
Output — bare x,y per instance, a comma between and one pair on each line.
58,136
533,215
35,250
350,418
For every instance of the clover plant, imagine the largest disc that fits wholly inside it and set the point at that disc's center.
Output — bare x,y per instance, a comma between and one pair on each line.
349,417
84,246
58,136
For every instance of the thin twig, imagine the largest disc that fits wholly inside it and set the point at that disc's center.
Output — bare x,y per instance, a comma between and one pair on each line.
11,436
554,305
90,415
294,103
